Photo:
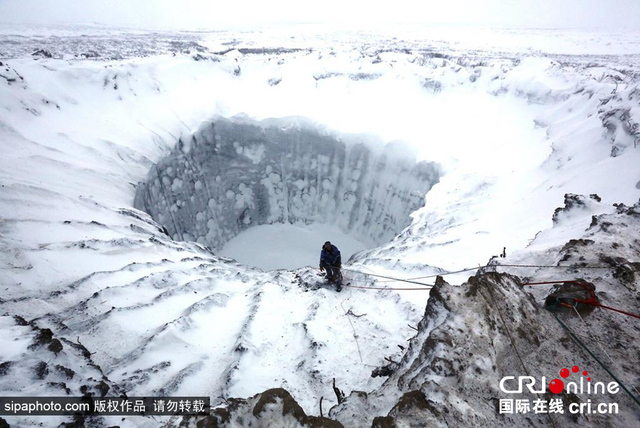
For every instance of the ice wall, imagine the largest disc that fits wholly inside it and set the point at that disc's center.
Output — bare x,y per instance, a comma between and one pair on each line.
233,174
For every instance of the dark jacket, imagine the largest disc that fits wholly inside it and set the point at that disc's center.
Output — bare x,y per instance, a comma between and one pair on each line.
331,258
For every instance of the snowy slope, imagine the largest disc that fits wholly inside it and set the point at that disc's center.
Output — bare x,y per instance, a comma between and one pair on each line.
473,335
512,131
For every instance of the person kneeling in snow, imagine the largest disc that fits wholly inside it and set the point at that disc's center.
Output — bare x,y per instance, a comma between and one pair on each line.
331,262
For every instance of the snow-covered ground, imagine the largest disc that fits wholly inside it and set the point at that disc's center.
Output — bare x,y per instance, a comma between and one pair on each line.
514,121
287,246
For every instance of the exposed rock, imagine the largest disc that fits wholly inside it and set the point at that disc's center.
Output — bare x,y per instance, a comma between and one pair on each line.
632,211
103,388
66,371
55,346
4,367
572,202
471,337
274,407
621,126
43,53
41,370
573,247
20,321
383,422
383,371
282,397
44,337
60,385
624,270
78,421
414,410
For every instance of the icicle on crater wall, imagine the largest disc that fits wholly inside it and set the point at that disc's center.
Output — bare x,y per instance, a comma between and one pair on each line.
233,174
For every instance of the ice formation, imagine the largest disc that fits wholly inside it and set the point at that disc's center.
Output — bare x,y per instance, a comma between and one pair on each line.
234,174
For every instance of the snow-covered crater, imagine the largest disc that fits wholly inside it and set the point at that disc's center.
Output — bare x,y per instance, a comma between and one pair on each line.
143,314
232,175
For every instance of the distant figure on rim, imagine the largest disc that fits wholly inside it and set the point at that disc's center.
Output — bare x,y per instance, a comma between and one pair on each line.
331,262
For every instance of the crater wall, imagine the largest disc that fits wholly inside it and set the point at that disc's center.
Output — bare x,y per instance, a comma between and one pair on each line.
233,174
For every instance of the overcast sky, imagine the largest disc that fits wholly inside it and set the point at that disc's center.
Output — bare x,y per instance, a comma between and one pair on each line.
215,14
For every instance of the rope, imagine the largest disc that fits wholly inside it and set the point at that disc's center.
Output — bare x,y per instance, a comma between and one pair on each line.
355,336
446,273
501,265
513,344
388,288
600,345
555,266
591,301
389,277
576,339
553,282
427,286
599,305
504,324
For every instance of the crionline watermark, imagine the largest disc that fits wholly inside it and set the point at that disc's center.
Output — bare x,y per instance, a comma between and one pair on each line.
524,384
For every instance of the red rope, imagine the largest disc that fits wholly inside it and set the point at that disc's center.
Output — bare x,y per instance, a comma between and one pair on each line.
599,305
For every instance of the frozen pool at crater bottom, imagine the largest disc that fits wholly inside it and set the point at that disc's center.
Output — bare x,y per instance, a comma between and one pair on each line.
288,246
